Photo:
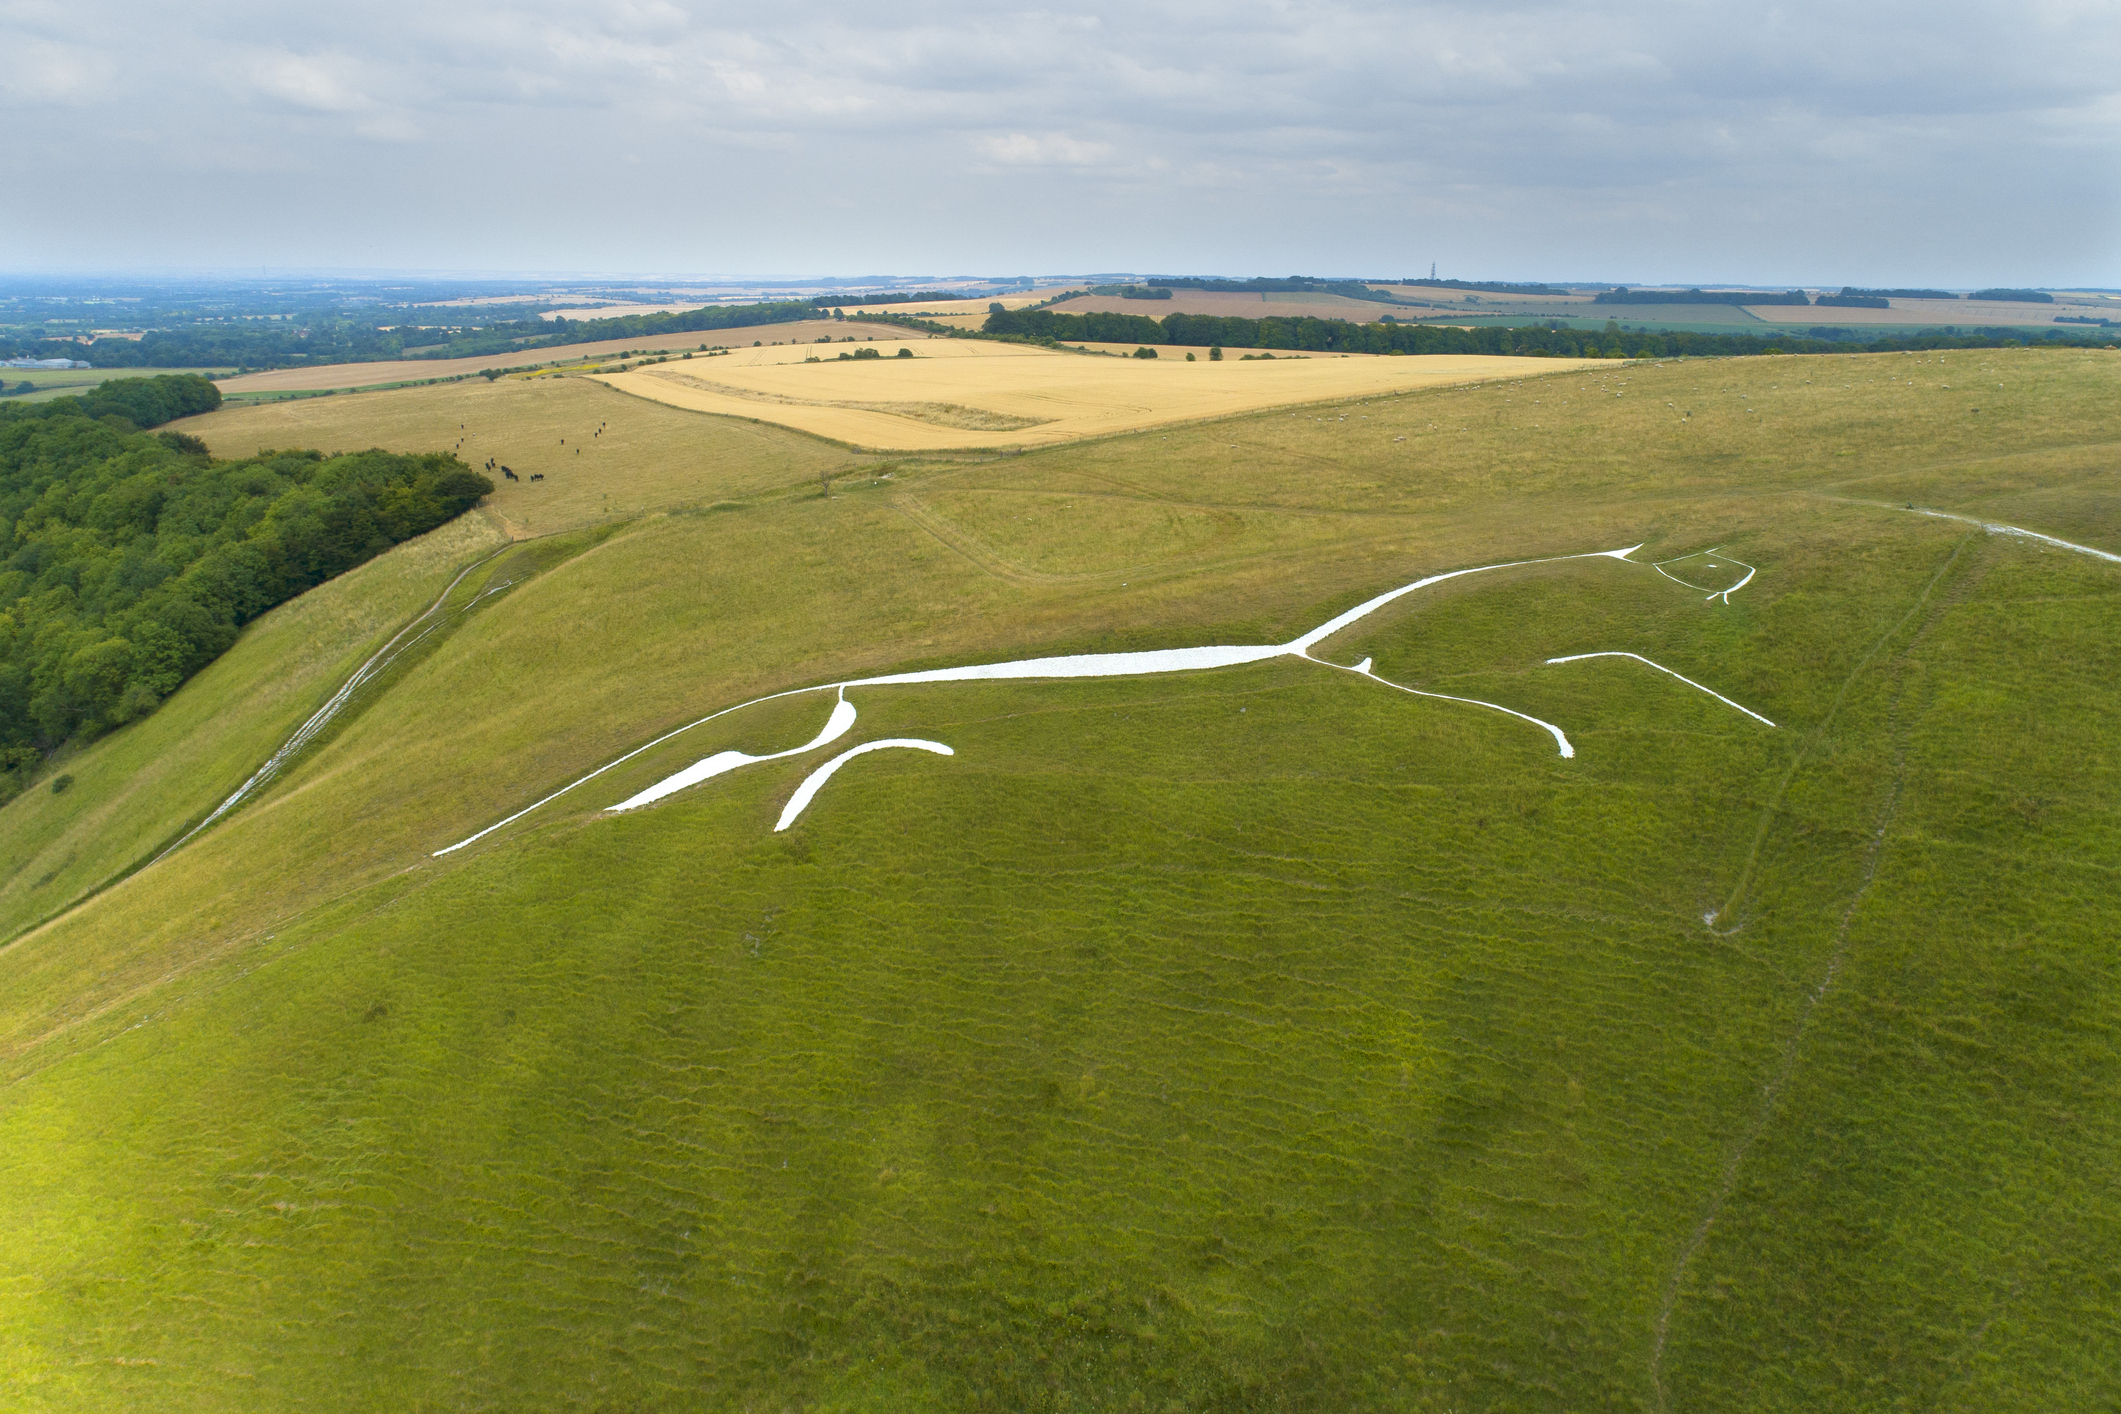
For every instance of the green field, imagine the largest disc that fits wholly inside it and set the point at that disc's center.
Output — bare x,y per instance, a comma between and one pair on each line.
63,382
1253,1039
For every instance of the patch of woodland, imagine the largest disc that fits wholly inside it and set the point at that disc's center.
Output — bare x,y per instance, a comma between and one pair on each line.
132,558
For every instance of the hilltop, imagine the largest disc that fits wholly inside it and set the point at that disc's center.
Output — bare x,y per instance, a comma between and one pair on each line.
1251,1037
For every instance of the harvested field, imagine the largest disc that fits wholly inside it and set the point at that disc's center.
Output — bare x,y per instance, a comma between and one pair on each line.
609,309
1444,296
1041,395
1179,351
976,306
1233,305
1965,313
408,370
936,414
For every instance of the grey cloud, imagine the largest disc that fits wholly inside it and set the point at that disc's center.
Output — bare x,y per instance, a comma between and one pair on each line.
1685,140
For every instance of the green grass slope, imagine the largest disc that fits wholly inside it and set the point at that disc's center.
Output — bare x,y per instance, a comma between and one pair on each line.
134,793
1261,1039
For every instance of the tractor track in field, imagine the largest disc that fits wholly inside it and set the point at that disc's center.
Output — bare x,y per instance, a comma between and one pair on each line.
378,663
1837,953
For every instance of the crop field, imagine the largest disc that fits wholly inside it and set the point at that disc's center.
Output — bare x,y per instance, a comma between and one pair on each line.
1240,304
957,308
1933,312
64,382
409,370
974,394
1257,1037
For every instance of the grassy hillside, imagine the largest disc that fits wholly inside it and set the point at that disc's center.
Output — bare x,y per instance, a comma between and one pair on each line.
132,793
1255,1039
648,457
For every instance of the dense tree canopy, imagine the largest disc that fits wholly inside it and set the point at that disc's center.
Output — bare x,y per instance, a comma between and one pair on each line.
129,560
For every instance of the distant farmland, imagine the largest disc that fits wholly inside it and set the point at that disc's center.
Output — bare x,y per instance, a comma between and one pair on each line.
975,393
410,370
1243,305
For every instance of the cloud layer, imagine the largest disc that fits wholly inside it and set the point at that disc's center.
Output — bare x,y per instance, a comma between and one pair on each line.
1944,142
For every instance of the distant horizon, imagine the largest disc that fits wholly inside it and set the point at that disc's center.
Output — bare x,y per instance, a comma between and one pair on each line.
237,275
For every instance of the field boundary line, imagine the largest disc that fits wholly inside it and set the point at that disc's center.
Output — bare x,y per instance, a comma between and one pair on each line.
970,547
1961,463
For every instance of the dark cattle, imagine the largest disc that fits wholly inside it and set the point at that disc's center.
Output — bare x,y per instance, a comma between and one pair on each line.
537,476
510,474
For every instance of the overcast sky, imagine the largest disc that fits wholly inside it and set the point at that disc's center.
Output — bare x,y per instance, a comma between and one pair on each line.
1873,142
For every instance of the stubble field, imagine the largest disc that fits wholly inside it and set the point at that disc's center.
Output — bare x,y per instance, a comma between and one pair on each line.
969,394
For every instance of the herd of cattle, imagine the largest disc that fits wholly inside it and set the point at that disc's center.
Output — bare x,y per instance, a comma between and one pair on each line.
494,463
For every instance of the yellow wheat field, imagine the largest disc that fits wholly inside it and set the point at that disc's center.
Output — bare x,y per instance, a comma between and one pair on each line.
967,394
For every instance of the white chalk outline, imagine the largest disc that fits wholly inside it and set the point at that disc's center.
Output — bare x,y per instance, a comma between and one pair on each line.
1579,657
1561,739
1998,528
1093,665
1723,594
822,774
836,726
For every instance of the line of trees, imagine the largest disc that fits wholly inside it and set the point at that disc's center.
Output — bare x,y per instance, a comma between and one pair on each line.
1854,292
2014,296
1292,284
1340,336
1627,296
924,296
131,558
1498,287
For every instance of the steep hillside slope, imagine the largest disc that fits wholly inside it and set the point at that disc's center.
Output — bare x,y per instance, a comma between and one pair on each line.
1256,1038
